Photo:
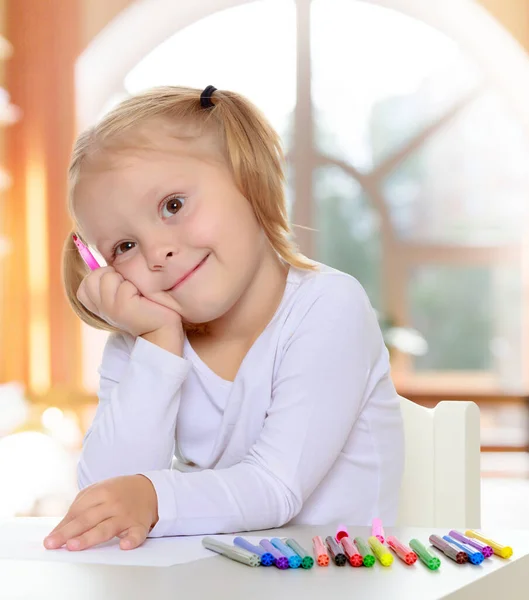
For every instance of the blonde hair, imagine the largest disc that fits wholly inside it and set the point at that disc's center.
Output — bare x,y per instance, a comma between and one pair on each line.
251,147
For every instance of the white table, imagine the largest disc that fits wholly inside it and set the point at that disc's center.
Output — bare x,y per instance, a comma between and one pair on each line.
219,578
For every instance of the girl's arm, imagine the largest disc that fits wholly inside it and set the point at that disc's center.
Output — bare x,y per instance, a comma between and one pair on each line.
331,364
139,395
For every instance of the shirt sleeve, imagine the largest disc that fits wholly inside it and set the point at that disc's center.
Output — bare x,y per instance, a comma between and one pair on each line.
134,425
320,388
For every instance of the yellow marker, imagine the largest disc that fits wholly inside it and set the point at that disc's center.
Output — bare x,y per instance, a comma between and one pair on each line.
503,551
380,551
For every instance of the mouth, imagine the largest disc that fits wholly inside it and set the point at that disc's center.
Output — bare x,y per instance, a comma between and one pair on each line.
187,275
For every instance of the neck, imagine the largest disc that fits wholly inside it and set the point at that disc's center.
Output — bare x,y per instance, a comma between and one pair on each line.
246,320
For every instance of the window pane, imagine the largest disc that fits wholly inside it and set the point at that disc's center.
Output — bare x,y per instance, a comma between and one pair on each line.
250,49
348,236
470,317
378,78
469,184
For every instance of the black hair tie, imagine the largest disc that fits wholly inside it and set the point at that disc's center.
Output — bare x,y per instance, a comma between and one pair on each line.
205,97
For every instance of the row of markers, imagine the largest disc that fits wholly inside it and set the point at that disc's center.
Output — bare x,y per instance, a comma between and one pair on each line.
472,547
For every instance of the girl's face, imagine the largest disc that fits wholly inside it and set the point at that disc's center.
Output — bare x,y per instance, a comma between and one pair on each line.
172,221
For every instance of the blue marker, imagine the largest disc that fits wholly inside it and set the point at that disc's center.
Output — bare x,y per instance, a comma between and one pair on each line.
294,560
267,560
474,556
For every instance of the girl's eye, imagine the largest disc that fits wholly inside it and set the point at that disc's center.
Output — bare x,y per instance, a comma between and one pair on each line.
172,205
122,248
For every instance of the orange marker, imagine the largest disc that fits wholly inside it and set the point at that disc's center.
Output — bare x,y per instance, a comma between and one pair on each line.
320,551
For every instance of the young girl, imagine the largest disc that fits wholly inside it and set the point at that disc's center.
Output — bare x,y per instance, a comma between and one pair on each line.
243,386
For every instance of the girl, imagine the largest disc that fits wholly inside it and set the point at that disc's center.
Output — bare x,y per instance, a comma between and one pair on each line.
243,386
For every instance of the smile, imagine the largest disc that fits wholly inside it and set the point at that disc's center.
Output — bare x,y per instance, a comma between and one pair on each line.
188,275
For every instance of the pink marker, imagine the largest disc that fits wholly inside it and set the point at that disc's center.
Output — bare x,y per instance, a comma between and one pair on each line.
341,532
86,255
377,530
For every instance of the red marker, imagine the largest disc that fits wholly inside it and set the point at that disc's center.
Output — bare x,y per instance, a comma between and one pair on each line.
351,552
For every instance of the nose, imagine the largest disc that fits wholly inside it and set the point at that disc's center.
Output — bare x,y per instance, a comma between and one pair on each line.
159,255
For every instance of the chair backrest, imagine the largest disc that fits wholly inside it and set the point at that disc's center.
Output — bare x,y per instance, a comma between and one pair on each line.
441,484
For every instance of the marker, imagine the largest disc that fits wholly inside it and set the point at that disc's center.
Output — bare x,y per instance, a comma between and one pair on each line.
280,561
499,550
474,556
377,530
294,561
320,551
267,560
487,551
307,562
367,557
86,255
341,532
385,558
451,551
238,554
432,562
335,551
403,552
351,552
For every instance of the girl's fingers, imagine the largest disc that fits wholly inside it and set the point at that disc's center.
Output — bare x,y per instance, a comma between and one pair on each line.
84,500
89,291
136,535
85,298
102,532
108,289
78,525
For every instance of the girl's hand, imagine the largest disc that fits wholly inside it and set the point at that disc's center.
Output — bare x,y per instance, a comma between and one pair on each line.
126,507
116,300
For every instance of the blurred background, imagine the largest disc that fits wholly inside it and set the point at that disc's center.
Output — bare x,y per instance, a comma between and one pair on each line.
406,127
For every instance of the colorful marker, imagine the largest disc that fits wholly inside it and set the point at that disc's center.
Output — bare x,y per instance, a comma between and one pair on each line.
335,551
294,561
238,554
432,562
320,551
385,558
367,556
280,561
351,552
487,551
377,530
451,551
499,550
403,552
474,556
267,560
86,255
307,562
341,532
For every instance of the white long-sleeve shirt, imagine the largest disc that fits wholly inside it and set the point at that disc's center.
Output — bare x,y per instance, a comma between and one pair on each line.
309,432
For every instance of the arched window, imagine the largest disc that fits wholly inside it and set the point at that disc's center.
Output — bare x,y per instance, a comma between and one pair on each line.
407,142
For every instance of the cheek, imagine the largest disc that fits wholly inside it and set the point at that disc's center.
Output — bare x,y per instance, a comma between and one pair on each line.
133,272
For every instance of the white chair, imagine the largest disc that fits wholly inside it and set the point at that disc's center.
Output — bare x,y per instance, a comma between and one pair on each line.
441,484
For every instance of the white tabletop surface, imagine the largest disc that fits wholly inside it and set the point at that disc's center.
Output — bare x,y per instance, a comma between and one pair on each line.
219,578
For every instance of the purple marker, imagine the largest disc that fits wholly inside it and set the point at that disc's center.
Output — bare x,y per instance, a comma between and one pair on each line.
487,551
281,562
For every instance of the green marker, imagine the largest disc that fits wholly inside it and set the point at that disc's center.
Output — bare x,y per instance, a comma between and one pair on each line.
431,561
363,548
307,562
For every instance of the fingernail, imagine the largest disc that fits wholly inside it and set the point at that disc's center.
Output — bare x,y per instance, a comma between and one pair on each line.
49,542
127,544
